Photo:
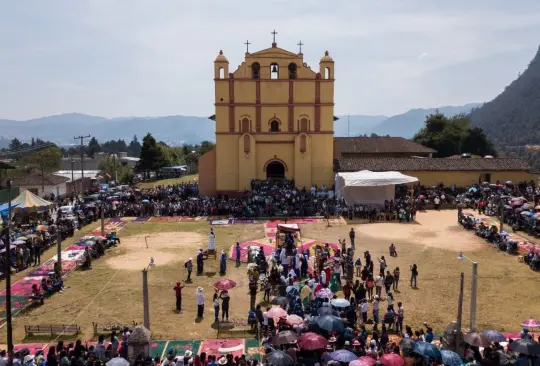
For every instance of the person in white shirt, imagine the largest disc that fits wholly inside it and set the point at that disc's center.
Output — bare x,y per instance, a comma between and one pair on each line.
364,310
200,302
379,282
3,358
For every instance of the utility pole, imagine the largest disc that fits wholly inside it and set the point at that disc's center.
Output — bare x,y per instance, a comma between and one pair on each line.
82,160
146,305
42,177
459,316
7,271
58,245
73,187
102,214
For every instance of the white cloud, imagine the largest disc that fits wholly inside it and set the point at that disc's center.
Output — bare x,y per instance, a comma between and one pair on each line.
137,57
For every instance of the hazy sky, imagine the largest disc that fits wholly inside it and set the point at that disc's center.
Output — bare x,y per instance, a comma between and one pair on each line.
152,58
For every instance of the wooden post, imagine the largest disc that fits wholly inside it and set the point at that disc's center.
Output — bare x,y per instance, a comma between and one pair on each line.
146,306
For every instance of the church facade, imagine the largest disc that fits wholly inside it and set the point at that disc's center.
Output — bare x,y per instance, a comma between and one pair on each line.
274,118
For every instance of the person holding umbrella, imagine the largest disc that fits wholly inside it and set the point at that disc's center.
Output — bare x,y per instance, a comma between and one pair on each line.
225,300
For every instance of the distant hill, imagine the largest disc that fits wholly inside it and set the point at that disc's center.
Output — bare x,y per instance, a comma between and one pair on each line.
408,123
512,119
175,130
61,129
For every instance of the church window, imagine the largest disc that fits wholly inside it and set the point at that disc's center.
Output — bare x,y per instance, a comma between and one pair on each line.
303,125
292,70
255,70
221,73
327,73
274,71
274,126
245,125
247,144
303,143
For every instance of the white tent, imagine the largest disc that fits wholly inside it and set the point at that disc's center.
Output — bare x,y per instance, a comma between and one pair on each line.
367,187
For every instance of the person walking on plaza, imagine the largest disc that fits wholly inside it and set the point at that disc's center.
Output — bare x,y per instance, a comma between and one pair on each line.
399,318
189,269
396,280
200,263
200,302
223,263
388,281
238,250
178,291
414,274
352,235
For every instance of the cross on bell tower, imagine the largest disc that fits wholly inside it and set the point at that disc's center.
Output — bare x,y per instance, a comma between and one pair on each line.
274,44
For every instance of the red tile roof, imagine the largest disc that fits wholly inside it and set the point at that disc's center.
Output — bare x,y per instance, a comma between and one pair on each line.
33,178
379,144
430,164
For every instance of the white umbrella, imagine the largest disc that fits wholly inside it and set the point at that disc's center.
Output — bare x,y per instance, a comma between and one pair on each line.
118,361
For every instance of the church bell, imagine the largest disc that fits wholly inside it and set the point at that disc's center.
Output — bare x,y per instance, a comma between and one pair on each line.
274,68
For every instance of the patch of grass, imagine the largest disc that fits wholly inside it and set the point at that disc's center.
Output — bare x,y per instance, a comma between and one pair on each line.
104,294
169,182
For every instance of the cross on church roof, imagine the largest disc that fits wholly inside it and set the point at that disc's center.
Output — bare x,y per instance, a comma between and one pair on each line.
247,45
300,44
274,35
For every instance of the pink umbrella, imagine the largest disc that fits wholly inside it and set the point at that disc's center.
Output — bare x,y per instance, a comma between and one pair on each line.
325,293
391,359
531,323
224,284
276,312
363,361
294,320
312,341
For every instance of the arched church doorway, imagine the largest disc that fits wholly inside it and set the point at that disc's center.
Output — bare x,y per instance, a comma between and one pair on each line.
275,171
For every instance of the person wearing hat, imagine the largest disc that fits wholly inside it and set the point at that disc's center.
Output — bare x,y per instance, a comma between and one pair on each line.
200,262
178,291
525,334
222,361
200,302
29,360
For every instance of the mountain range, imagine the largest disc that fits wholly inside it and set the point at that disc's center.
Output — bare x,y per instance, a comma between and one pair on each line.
175,130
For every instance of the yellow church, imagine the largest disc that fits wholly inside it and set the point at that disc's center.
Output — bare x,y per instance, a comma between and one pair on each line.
274,118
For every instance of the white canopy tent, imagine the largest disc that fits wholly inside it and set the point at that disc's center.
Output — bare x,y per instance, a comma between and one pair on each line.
368,188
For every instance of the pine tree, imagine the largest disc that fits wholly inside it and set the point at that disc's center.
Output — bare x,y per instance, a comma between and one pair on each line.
151,158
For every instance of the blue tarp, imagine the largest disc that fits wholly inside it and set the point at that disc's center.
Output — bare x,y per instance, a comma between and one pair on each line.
4,207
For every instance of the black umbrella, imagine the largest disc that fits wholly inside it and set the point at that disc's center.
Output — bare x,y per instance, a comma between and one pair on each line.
279,358
525,346
284,337
326,310
407,343
281,301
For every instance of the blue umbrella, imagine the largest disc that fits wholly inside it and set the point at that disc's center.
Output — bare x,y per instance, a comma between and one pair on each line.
330,323
450,358
340,303
145,201
343,356
494,336
279,358
427,350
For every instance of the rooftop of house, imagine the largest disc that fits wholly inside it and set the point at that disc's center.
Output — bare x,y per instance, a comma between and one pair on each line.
378,144
353,164
36,178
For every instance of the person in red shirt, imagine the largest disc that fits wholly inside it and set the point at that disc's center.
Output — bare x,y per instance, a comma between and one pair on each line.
347,290
178,290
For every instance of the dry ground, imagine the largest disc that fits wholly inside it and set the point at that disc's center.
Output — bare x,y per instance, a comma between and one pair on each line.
507,294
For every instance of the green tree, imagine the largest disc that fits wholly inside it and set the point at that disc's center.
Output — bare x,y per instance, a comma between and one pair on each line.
151,158
453,136
134,147
113,167
15,144
48,157
93,147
